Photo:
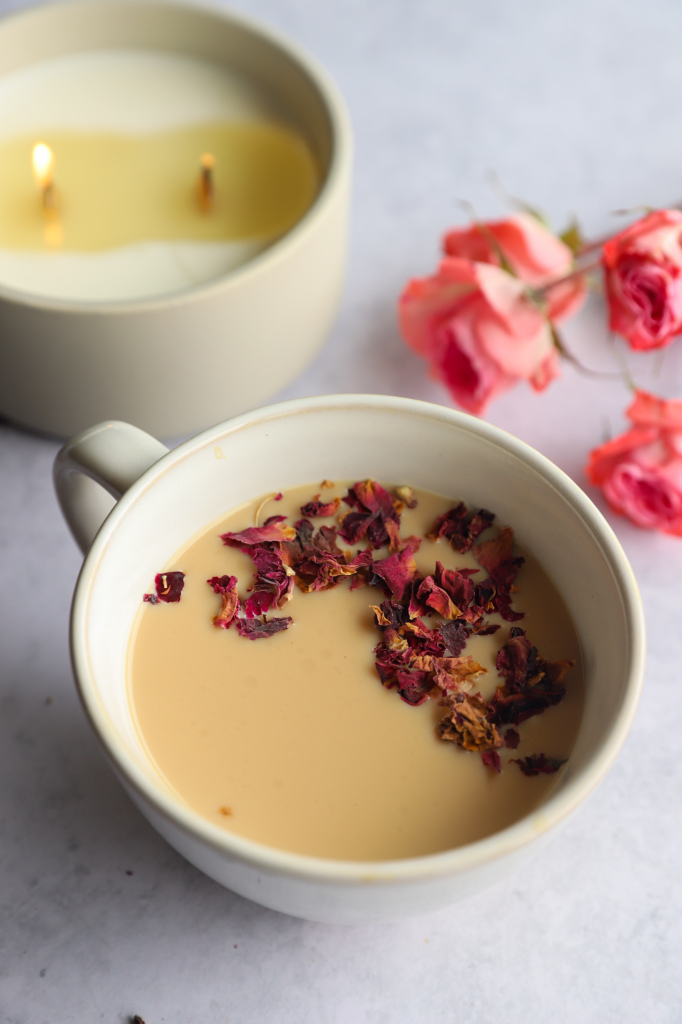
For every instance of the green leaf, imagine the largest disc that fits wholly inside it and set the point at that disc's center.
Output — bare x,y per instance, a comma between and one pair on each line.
573,237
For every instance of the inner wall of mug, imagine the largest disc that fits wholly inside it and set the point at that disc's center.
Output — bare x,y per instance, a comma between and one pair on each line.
390,445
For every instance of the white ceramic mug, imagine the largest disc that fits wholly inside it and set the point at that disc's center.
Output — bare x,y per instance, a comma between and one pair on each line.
165,498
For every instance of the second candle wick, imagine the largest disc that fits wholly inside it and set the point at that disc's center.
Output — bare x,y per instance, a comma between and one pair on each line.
206,182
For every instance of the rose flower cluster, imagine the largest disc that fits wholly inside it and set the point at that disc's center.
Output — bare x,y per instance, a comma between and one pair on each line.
486,320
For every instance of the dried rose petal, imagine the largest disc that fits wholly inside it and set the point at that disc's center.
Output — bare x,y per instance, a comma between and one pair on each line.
274,581
320,508
260,629
372,497
391,654
375,518
321,571
316,559
511,739
222,584
421,639
483,602
531,682
517,659
354,526
491,553
168,586
363,559
306,543
325,540
388,663
397,571
292,550
415,607
467,724
450,524
459,527
226,586
448,591
457,584
272,531
515,708
479,522
414,685
454,673
362,563
257,604
491,759
455,635
390,613
503,578
536,764
482,628
436,598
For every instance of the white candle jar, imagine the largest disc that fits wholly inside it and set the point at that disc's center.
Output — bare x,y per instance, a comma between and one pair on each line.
169,355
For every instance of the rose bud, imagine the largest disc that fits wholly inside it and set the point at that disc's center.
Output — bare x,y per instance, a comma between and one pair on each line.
640,472
530,250
479,330
643,280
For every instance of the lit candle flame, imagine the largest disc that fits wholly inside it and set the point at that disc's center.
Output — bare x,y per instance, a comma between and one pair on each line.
206,184
43,165
42,161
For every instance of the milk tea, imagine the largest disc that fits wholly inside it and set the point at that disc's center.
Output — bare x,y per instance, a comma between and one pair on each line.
291,740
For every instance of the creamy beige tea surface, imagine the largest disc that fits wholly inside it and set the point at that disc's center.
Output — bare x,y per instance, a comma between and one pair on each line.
292,740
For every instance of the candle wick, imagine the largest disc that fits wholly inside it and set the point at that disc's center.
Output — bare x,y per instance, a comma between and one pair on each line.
206,182
49,196
42,160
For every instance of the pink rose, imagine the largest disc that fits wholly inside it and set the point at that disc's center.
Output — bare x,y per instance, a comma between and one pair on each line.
478,329
640,472
530,250
643,277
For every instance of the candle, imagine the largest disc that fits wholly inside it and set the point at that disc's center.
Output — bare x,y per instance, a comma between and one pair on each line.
127,175
141,300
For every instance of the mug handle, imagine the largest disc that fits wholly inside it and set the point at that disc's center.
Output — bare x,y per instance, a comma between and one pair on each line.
94,468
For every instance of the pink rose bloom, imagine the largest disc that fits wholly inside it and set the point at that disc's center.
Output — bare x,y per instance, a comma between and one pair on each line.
643,278
640,472
530,250
481,334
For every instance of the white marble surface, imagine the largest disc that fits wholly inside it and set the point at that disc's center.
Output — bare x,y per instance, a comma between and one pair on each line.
576,106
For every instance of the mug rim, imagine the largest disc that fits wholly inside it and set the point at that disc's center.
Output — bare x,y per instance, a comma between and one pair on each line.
550,813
